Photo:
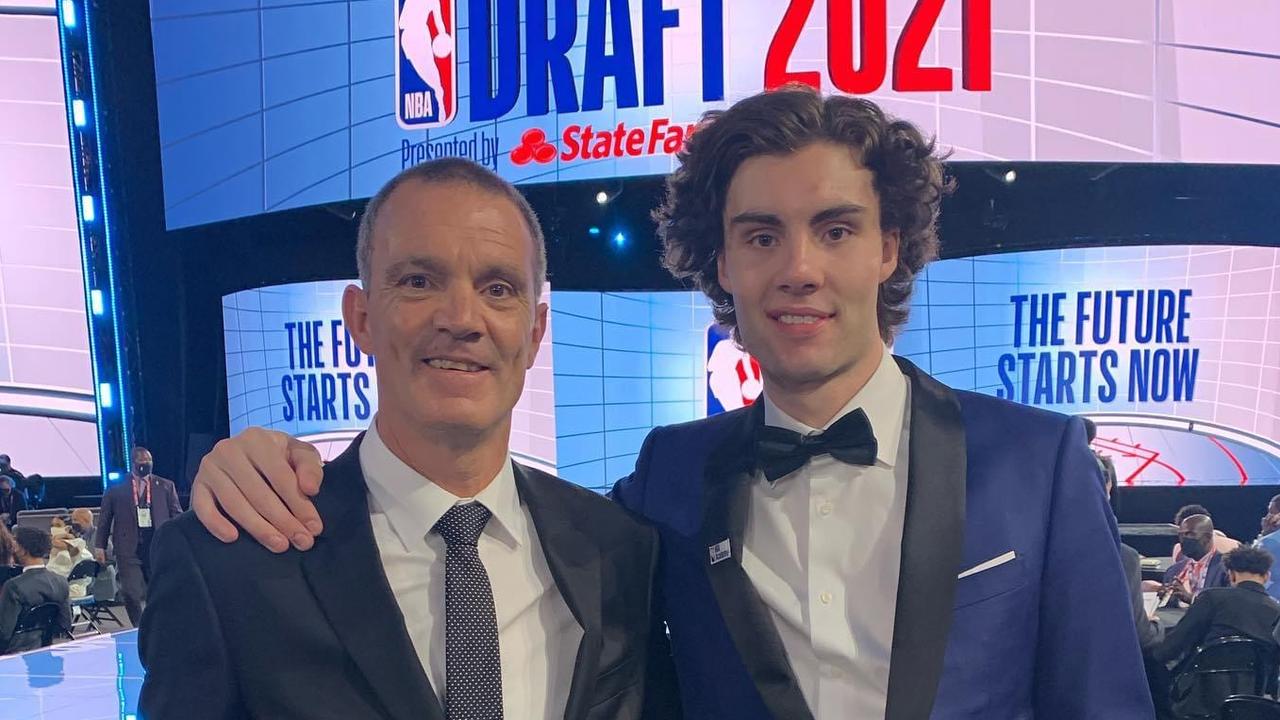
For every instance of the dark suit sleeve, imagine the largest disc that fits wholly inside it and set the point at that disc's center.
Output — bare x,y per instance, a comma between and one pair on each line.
662,694
188,670
175,508
64,607
1148,629
629,492
1088,664
9,609
19,504
662,690
106,515
1190,630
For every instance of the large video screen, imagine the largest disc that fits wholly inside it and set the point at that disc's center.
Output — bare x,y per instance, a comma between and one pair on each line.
1174,351
48,416
279,104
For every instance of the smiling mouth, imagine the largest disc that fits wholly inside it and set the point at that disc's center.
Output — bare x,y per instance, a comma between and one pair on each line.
454,365
800,319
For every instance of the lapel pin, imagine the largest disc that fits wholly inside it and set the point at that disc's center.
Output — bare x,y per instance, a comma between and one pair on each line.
720,551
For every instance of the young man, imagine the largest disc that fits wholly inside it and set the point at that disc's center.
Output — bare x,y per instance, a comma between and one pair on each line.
1243,608
863,542
35,586
449,582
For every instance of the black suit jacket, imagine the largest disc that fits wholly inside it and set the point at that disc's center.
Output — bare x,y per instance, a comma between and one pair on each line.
1245,609
1149,631
234,631
118,518
28,590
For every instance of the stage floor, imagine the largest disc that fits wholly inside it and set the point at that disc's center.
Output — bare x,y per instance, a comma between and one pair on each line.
94,678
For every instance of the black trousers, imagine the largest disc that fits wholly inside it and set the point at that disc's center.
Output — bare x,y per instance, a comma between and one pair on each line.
133,573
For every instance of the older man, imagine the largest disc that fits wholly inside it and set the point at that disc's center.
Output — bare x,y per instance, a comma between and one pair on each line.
449,582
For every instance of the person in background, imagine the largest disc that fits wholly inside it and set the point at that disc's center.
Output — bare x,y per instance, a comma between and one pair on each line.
1244,608
7,468
35,586
1201,564
1221,542
67,550
1271,521
1269,541
82,523
6,547
1150,631
12,501
131,512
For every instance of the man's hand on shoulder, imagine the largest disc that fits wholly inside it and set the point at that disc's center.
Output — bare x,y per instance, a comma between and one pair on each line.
262,480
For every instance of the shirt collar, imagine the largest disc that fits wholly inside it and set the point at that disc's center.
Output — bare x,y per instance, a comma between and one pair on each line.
883,399
29,568
413,504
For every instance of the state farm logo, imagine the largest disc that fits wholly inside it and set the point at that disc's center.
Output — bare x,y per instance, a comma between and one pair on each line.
587,143
533,147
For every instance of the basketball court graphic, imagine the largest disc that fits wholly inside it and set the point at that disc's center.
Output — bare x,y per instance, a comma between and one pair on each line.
1149,456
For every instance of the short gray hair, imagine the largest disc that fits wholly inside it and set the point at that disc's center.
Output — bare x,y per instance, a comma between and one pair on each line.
446,170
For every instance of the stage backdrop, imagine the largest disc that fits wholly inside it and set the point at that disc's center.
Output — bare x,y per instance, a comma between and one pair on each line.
1173,350
48,416
273,104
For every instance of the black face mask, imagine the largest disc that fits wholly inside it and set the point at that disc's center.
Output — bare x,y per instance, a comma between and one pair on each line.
142,469
1193,548
6,490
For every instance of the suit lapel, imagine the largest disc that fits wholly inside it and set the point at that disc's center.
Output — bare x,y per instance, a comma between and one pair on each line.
345,574
729,473
932,543
574,561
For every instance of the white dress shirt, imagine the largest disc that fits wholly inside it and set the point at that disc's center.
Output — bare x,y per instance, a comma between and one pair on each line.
822,547
538,636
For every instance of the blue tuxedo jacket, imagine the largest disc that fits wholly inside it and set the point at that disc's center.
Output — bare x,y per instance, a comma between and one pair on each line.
1049,634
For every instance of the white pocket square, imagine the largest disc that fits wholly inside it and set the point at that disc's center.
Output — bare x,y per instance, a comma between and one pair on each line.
993,562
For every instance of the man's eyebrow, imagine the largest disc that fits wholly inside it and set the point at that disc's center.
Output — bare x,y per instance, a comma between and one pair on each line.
756,217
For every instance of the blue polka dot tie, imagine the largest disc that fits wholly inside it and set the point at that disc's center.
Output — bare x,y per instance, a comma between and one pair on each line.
473,671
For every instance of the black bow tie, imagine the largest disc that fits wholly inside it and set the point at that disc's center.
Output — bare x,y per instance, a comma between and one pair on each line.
850,440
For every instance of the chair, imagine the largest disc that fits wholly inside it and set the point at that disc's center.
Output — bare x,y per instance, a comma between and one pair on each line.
37,627
89,606
41,518
1222,667
1249,707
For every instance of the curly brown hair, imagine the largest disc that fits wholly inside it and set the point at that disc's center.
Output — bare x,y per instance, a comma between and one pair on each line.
908,178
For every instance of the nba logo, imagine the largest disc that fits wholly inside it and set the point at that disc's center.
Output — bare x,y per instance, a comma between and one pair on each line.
426,63
733,376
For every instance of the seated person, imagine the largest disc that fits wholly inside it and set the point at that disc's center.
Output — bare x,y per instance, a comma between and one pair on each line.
1221,542
35,586
82,524
1201,564
1244,608
1149,628
68,551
